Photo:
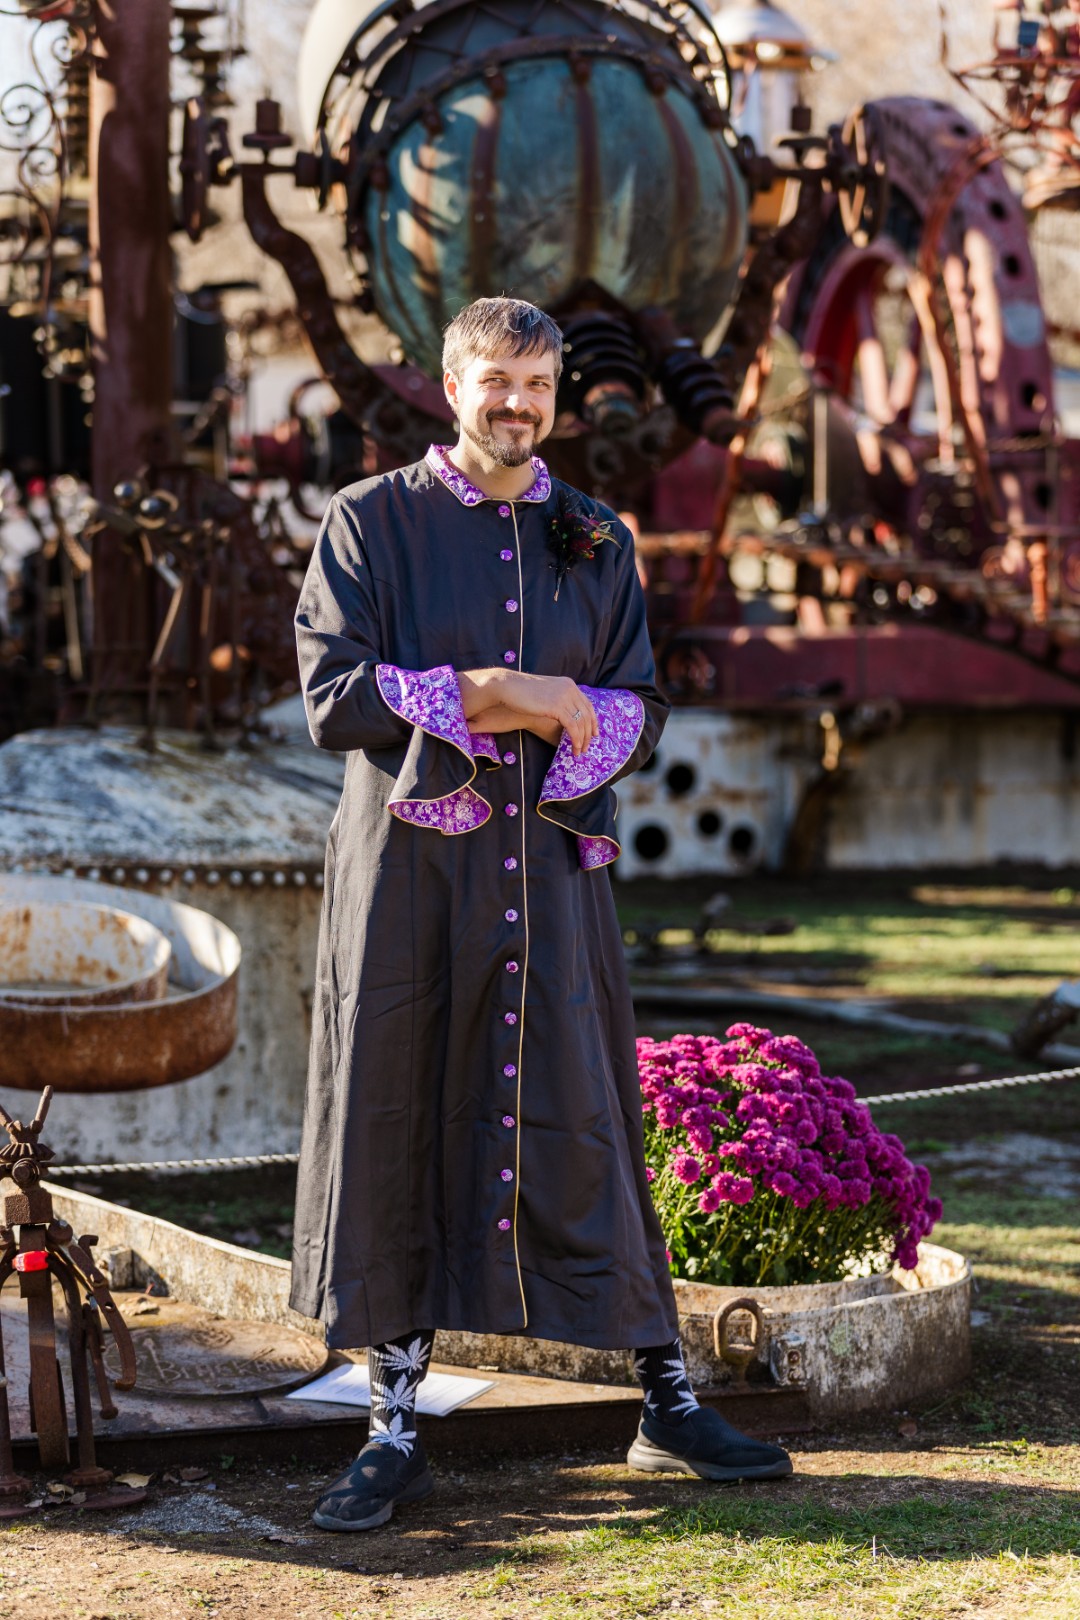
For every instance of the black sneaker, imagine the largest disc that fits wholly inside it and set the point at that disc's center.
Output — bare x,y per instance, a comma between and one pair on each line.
367,1493
703,1444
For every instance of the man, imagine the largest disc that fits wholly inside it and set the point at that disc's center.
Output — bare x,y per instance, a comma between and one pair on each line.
473,633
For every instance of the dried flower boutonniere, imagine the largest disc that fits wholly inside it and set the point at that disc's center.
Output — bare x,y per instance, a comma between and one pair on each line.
575,532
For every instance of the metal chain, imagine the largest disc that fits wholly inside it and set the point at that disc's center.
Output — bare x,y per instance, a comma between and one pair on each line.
239,1160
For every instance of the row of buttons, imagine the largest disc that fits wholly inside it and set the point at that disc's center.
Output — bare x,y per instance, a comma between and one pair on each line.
510,863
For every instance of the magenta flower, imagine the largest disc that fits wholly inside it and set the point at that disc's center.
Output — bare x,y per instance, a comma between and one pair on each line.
780,1182
754,1112
686,1167
733,1189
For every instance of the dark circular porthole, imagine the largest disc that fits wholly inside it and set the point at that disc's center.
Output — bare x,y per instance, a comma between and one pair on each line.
1032,397
710,823
681,779
651,841
742,842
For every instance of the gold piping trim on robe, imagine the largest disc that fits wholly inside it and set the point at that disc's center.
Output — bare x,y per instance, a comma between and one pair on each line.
525,911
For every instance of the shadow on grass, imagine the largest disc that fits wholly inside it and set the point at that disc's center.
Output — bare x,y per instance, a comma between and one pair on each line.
981,1210
910,1517
493,1523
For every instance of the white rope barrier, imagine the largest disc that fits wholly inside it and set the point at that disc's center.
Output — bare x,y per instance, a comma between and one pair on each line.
239,1161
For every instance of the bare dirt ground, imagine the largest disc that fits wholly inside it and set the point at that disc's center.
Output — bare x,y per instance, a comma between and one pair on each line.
940,1515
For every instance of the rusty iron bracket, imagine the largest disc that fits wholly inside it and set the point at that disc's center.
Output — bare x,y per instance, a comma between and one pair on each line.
38,1249
740,1353
361,390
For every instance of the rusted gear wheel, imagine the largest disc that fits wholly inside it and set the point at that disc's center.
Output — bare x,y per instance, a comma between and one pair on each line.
932,336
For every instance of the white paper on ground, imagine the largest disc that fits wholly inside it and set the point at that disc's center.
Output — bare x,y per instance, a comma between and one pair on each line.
439,1393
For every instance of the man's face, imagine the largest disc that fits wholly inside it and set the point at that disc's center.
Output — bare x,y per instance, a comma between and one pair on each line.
505,406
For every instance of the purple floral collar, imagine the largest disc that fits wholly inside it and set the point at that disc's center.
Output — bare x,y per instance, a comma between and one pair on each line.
467,492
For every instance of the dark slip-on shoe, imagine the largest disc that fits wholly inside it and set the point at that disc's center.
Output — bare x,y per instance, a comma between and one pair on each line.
367,1493
705,1445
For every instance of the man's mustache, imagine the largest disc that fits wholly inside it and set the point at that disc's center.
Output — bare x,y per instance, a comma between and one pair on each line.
507,416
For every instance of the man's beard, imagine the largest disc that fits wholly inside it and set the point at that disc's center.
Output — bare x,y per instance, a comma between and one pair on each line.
504,455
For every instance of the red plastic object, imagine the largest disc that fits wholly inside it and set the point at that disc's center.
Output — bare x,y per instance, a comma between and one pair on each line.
32,1260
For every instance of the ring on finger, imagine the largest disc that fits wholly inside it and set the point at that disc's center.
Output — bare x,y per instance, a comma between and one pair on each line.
576,714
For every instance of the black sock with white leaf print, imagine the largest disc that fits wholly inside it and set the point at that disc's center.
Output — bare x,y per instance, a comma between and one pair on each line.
662,1375
395,1370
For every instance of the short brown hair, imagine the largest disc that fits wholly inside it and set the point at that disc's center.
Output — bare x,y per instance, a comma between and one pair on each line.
493,326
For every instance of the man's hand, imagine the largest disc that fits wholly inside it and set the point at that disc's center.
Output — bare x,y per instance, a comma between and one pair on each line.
500,717
541,697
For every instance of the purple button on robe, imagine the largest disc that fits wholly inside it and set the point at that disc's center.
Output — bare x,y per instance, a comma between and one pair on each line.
421,1037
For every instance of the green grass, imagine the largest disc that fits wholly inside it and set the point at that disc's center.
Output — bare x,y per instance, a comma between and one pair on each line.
931,1553
251,1207
946,947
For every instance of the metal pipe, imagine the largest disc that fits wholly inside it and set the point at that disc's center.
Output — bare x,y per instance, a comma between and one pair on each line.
131,314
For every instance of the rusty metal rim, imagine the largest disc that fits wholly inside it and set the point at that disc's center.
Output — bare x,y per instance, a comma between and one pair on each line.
145,981
122,1048
373,61
350,62
377,144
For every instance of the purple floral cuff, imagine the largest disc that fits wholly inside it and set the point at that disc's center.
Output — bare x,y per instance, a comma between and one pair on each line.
484,746
593,852
621,715
459,812
431,699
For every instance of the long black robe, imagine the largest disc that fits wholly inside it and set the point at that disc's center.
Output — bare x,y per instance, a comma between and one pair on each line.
472,1143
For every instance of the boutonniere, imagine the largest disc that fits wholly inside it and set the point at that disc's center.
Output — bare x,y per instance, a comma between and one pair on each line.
575,532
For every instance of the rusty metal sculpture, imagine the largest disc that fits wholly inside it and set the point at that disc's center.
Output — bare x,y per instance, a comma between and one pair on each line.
228,609
582,153
40,1249
631,228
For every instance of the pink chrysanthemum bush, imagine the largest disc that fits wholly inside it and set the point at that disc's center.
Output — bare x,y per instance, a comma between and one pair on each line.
765,1171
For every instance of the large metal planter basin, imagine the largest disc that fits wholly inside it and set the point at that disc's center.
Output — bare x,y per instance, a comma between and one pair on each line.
139,1044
